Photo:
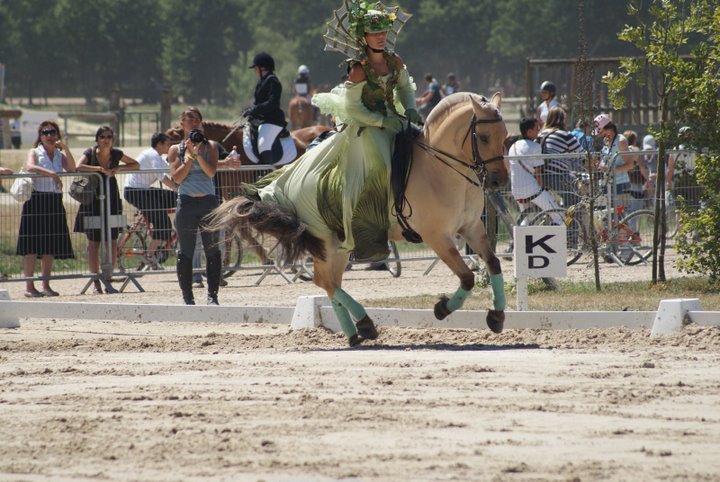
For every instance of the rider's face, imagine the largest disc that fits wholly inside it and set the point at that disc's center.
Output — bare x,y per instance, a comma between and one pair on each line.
376,40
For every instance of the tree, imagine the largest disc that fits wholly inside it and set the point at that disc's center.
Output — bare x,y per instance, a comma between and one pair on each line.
662,33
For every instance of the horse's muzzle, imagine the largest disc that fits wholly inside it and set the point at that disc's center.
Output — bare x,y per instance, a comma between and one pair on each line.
495,180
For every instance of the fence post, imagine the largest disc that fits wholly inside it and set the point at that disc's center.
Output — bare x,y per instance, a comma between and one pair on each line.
165,106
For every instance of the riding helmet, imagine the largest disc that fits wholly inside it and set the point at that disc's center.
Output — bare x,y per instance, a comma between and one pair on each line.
303,69
263,60
548,86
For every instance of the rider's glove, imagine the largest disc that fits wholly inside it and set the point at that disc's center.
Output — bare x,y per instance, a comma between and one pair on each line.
413,116
392,123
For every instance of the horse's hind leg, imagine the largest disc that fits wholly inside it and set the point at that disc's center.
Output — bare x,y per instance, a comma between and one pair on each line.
478,241
328,276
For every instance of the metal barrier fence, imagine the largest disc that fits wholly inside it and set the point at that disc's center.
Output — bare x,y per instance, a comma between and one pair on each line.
247,255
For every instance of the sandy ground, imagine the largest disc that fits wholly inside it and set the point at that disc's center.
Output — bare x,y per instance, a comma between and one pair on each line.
133,400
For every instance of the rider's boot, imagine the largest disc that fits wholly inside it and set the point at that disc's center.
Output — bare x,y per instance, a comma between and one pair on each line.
184,274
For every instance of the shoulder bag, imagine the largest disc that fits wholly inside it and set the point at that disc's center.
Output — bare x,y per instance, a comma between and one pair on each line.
22,188
84,188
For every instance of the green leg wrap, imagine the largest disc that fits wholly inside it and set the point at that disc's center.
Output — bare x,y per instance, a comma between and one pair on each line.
457,300
344,299
498,288
346,323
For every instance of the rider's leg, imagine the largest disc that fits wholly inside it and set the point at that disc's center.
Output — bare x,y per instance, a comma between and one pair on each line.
267,133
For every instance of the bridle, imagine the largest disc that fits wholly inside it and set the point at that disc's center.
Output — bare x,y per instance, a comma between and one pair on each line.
479,164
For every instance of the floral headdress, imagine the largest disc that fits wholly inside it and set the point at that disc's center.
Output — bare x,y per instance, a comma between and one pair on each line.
347,29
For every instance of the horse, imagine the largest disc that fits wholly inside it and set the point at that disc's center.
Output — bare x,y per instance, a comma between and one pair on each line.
457,156
300,112
229,182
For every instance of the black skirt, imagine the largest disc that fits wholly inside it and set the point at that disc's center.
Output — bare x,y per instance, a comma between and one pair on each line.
43,227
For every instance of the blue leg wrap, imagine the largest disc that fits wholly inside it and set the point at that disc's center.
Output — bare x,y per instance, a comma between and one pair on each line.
346,323
356,309
457,299
498,289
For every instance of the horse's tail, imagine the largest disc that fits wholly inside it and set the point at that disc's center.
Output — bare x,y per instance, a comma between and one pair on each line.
268,218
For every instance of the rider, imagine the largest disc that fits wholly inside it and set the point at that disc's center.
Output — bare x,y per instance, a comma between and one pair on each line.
302,85
547,92
266,112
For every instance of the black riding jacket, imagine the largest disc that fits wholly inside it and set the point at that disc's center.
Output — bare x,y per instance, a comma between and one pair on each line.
267,101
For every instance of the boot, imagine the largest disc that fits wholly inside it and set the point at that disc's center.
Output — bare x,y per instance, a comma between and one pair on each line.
214,273
184,274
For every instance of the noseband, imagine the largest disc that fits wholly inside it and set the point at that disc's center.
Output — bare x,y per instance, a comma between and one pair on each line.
479,164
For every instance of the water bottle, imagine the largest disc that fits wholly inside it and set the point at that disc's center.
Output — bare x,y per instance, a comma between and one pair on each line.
234,156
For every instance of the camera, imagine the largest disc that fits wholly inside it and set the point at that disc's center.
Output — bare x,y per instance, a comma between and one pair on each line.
196,137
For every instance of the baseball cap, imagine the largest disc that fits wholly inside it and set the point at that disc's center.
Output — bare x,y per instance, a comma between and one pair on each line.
601,122
649,143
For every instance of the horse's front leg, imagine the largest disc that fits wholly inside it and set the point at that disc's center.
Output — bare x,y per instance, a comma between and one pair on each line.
328,276
477,238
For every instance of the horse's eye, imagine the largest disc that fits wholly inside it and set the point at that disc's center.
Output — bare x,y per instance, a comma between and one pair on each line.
483,138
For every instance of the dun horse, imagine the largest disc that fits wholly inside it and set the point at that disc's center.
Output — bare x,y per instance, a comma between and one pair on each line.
457,156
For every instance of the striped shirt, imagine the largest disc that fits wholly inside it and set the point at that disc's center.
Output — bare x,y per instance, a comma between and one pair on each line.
555,141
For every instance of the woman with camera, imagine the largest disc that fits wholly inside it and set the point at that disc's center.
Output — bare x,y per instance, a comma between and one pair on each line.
193,163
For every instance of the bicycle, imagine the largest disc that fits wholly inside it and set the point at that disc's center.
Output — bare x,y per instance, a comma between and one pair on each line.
626,242
132,249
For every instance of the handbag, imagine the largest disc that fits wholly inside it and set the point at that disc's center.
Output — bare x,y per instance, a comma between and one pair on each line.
82,189
22,188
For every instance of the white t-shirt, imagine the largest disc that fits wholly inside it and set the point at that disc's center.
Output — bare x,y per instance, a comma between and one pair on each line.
522,172
545,108
148,159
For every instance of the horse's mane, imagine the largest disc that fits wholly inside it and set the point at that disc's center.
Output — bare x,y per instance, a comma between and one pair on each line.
450,104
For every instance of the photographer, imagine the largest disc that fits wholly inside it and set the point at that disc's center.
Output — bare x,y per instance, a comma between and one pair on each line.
193,164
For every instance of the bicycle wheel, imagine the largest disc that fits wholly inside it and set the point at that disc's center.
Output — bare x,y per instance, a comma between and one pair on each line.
233,256
393,261
635,234
131,250
574,230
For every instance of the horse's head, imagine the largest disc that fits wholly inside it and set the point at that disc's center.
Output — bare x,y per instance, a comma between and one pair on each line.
487,137
470,130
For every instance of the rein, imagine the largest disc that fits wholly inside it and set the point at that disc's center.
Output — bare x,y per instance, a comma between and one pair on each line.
479,164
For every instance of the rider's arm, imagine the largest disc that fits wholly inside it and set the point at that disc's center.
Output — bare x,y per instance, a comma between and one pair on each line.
405,89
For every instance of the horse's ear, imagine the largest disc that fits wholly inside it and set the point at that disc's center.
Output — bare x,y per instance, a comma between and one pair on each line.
496,100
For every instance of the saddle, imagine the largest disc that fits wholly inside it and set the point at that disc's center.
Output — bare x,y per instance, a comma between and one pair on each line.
277,148
400,173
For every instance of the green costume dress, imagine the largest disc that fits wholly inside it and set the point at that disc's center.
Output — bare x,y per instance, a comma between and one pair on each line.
342,186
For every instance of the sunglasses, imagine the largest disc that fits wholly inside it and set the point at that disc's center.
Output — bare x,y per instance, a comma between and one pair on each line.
105,136
49,132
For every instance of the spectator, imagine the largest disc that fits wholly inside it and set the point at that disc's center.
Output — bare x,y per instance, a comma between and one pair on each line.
431,97
15,134
526,174
193,164
106,161
615,145
583,133
547,93
452,85
558,174
639,174
43,225
680,178
153,202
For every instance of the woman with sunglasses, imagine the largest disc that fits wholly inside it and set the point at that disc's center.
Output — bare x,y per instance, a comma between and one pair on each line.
44,232
107,161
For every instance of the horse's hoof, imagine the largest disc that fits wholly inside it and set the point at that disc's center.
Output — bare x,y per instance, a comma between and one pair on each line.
366,328
441,310
355,340
495,320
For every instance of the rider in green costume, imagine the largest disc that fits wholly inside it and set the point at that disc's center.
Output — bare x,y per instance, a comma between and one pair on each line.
342,187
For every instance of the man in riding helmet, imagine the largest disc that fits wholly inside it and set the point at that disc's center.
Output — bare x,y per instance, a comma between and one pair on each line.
266,112
547,92
302,82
